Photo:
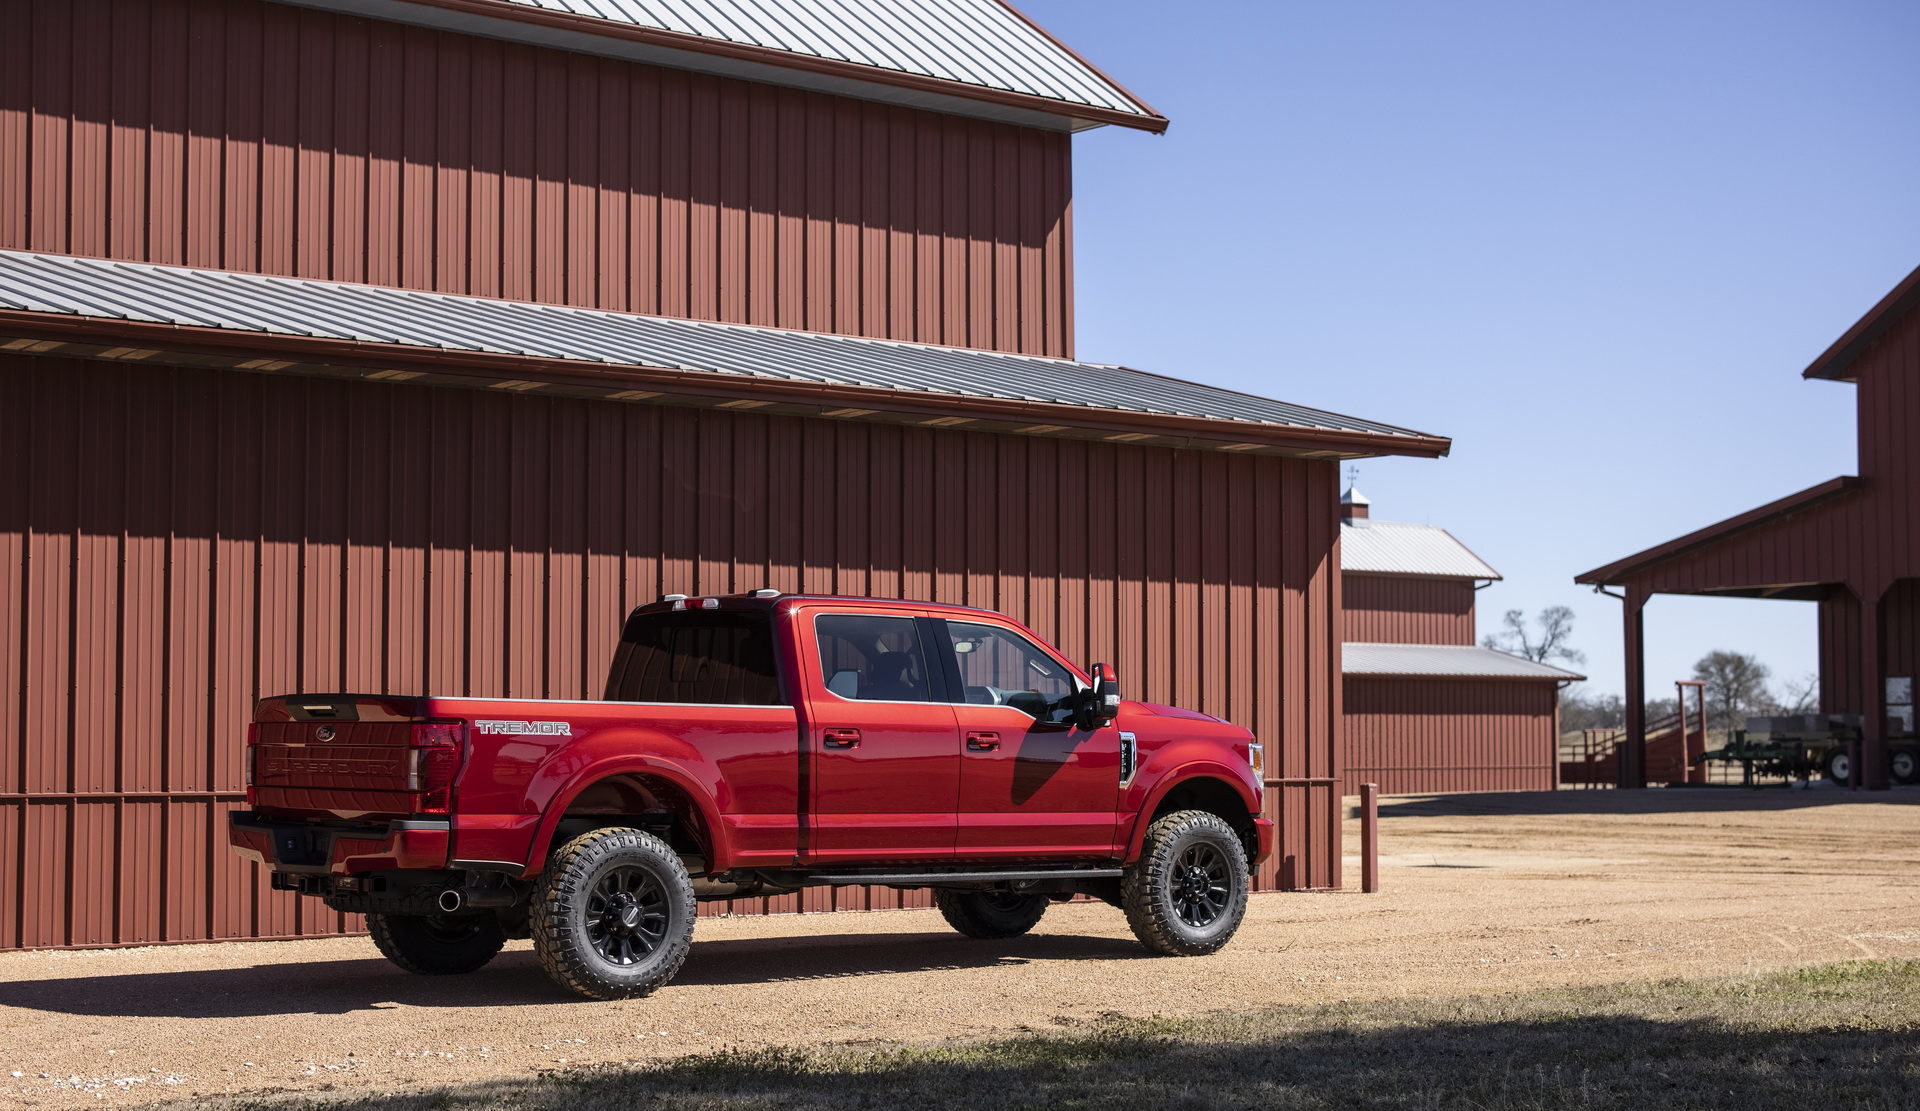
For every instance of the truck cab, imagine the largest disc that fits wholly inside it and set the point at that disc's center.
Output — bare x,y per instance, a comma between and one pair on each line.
748,745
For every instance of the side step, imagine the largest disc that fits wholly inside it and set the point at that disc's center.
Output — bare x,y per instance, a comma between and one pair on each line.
934,879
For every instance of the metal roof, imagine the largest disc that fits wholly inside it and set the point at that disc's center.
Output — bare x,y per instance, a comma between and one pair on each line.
970,48
1392,548
254,303
1444,661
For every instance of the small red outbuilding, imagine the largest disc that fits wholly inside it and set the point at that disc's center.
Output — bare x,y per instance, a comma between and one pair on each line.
1427,710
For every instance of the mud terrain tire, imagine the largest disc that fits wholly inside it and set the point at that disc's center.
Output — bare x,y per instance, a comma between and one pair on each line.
1188,892
990,914
613,914
438,944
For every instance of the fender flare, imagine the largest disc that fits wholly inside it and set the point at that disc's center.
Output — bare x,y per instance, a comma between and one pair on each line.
1174,777
628,765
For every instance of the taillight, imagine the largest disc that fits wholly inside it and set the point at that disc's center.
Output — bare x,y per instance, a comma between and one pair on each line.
252,751
432,761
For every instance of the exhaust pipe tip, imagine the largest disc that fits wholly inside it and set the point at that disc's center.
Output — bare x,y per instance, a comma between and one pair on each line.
451,900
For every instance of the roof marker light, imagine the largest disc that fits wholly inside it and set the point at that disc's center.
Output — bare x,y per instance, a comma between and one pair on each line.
709,603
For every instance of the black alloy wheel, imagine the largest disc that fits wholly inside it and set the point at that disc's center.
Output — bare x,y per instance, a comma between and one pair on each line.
438,944
1187,893
1202,888
613,915
990,915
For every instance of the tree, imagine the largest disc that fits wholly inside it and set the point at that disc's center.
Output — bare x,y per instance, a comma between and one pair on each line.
1551,642
1799,698
1581,710
1736,686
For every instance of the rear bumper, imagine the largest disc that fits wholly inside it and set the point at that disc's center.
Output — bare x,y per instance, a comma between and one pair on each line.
1263,829
306,848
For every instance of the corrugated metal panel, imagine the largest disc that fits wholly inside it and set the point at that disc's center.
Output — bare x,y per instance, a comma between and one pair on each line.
973,42
274,533
247,136
1392,548
329,310
1442,660
1423,736
1382,609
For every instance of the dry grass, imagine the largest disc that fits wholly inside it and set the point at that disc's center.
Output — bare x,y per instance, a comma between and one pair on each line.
1838,1036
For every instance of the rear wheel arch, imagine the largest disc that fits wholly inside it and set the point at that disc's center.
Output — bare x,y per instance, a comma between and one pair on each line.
643,797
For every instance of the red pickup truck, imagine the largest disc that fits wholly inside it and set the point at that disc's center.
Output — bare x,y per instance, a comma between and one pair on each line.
747,745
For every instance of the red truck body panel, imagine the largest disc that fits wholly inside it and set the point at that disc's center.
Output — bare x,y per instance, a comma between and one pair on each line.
826,780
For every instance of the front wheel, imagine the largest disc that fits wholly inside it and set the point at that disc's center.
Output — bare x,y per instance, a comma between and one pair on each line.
438,944
990,914
613,916
1188,892
1840,766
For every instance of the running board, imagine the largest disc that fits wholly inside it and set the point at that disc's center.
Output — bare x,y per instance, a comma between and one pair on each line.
929,879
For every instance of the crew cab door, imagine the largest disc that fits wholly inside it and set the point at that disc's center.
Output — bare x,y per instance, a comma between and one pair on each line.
1032,783
883,750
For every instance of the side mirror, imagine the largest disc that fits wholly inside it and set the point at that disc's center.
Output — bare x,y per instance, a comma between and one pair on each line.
1100,703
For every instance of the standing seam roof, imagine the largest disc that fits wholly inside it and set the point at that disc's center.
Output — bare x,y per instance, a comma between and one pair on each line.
1445,661
1392,548
339,311
971,42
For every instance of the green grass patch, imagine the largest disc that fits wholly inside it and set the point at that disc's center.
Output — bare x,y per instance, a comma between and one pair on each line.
1833,1037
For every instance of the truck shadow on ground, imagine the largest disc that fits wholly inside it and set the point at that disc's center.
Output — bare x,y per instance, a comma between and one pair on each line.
1657,800
268,987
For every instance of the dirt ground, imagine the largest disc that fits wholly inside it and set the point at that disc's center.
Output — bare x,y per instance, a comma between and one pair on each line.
1484,893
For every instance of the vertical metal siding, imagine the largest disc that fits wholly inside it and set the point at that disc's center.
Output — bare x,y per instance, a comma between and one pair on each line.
268,138
184,541
1387,610
1420,736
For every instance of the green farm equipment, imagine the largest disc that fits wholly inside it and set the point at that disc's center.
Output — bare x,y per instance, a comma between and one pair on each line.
1801,746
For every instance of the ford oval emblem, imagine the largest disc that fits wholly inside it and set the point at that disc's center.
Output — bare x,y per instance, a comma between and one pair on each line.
324,733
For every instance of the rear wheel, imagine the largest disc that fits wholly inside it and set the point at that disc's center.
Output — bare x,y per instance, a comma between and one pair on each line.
990,914
1904,765
1188,892
613,917
1839,765
438,944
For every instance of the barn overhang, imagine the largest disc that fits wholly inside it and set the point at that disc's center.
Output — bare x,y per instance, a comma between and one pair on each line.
1465,662
90,308
979,58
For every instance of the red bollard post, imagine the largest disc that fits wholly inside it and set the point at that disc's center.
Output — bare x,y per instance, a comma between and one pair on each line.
1370,838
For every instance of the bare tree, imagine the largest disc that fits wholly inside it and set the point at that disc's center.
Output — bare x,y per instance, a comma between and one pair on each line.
1581,710
1549,642
1802,697
1736,686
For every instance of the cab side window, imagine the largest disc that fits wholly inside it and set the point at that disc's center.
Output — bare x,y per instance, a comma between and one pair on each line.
872,659
998,667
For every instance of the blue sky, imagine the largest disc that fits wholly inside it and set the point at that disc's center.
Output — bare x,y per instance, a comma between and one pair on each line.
1595,244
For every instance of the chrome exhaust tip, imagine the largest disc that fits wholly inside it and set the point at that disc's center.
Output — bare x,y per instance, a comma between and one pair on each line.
451,900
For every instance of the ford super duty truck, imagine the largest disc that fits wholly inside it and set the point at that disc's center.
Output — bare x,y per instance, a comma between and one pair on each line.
755,745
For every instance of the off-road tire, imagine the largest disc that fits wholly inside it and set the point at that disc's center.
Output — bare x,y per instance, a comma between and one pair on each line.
1186,895
1837,765
1904,765
990,914
438,944
613,914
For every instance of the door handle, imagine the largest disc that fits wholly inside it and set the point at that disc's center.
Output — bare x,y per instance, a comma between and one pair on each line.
982,742
841,738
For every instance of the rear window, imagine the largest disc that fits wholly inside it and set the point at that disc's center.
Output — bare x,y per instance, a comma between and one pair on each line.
706,657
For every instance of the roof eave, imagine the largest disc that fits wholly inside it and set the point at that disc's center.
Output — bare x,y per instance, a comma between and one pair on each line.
1122,425
1836,362
1068,116
1620,570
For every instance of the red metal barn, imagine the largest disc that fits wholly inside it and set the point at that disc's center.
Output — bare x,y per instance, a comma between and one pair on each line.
1851,544
1427,710
398,346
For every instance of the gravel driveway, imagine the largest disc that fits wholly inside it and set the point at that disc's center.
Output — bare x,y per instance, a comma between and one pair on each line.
1483,893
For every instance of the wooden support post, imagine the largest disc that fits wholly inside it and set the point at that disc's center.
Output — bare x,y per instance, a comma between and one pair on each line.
1370,838
1631,761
